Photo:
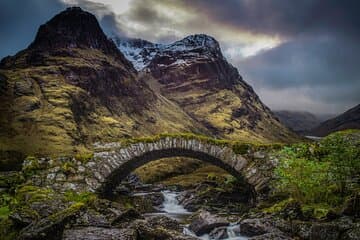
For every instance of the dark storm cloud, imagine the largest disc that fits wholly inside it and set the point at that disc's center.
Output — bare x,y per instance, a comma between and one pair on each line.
19,21
326,66
145,14
319,54
284,17
309,61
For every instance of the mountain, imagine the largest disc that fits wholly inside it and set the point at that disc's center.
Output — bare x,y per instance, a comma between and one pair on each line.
299,121
72,87
347,120
193,73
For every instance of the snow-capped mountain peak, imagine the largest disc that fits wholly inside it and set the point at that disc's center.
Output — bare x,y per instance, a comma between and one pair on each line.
195,41
141,52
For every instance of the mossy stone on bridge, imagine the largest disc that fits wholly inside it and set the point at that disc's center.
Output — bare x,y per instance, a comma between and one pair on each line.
112,162
114,165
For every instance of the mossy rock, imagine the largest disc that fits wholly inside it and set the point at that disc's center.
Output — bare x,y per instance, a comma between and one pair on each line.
29,194
52,226
10,179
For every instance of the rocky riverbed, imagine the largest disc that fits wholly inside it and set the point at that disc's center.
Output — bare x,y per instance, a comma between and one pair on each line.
146,211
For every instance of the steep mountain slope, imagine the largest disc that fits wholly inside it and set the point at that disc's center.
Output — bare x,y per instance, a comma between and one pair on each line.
347,120
300,122
193,73
72,87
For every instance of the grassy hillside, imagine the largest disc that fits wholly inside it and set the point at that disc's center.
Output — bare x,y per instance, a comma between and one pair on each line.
63,105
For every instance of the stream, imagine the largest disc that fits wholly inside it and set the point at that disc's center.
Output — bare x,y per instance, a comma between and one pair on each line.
173,209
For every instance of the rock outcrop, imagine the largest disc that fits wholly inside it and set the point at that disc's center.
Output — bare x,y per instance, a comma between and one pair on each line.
204,222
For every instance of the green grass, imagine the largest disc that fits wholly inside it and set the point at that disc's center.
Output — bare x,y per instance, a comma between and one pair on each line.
204,173
239,147
4,212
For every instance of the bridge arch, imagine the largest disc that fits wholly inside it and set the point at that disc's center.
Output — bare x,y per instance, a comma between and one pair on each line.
114,165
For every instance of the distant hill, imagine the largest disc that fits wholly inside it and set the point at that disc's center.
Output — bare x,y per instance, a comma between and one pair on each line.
300,122
348,120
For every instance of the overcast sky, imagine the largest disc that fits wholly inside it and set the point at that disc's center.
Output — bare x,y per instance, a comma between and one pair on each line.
298,55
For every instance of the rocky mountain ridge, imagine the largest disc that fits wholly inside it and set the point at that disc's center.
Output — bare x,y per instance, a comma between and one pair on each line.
141,52
193,73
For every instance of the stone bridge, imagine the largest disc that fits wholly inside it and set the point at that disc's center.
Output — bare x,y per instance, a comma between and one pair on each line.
112,163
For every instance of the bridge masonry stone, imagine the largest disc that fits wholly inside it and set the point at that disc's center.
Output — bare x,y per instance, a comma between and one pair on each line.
254,167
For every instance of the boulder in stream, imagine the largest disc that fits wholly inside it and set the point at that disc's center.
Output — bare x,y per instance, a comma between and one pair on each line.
204,222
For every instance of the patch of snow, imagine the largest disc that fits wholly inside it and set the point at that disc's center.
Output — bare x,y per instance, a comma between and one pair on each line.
140,52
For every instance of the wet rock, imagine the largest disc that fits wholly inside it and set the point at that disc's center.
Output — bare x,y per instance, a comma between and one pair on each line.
133,179
165,222
156,198
219,233
126,216
146,231
204,222
159,228
254,227
98,233
91,218
189,200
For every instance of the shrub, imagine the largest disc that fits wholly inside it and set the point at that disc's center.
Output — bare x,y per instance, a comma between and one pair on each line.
84,157
322,174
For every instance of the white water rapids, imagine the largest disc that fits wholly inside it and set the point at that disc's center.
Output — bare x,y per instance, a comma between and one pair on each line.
174,209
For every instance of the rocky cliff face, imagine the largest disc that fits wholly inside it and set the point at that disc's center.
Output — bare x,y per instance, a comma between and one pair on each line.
193,73
72,87
348,120
75,28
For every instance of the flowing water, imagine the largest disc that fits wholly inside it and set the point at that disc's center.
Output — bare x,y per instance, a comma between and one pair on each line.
172,208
